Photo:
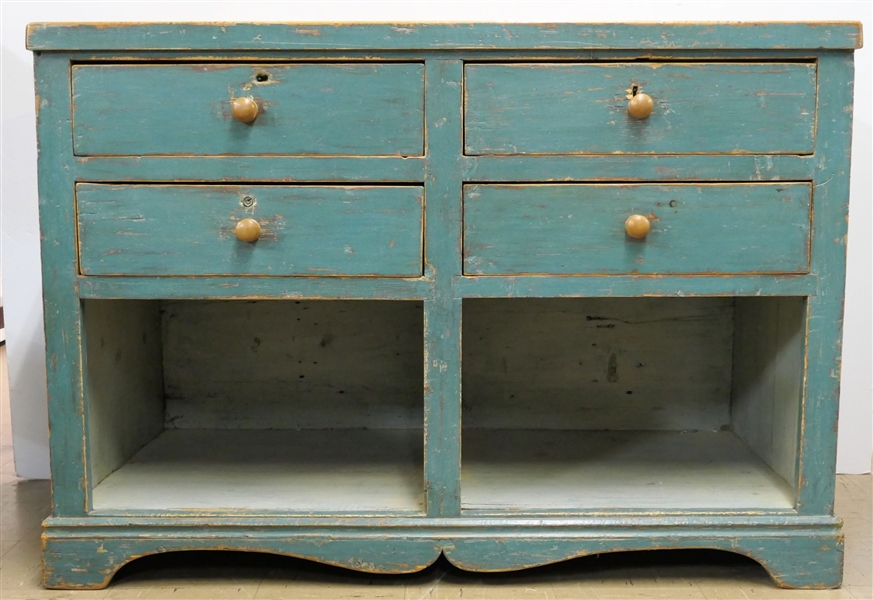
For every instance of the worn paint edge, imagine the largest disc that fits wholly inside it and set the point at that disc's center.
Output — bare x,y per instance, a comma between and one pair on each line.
302,35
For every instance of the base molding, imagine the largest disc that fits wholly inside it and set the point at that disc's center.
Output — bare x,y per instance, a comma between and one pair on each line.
798,552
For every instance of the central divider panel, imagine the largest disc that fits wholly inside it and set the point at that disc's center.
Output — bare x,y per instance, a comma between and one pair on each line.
442,312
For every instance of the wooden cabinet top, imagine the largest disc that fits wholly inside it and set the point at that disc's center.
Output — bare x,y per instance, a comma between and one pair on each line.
818,35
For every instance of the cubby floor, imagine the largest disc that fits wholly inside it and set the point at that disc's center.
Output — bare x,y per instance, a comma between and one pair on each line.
540,470
319,470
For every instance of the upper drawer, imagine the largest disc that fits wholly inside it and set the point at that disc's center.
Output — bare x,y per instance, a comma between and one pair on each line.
304,230
578,229
699,108
364,109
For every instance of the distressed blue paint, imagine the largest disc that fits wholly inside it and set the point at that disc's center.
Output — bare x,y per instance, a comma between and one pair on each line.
61,307
470,55
83,550
240,288
786,558
352,109
783,546
90,564
629,167
579,229
595,286
442,329
817,459
463,287
597,524
412,36
189,230
474,168
713,108
356,169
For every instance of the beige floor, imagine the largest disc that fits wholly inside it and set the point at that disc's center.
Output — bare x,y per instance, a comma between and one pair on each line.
664,575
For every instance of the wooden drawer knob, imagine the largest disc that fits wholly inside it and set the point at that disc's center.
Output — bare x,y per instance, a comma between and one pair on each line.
640,106
637,226
244,109
248,230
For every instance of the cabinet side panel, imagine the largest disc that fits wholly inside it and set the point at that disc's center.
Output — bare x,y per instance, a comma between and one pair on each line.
124,384
768,378
61,305
818,452
753,376
788,393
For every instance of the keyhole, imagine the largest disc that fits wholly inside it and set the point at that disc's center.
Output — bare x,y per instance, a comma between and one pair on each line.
262,77
634,90
247,201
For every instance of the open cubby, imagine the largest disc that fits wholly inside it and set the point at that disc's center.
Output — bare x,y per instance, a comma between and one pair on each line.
631,403
293,406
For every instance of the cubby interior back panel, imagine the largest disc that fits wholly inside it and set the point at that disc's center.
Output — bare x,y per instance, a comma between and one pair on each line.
297,365
598,363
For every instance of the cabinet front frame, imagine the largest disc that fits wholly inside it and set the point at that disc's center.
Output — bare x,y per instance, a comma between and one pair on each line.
443,170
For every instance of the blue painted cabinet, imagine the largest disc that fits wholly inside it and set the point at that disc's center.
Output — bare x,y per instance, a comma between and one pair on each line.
512,294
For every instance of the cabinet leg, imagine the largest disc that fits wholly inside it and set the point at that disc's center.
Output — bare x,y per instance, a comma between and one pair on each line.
814,562
80,564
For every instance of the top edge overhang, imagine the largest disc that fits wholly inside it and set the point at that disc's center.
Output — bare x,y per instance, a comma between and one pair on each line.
183,37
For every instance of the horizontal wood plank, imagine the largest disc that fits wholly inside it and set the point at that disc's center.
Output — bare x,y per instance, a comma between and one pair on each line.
478,55
336,169
507,168
253,288
590,525
408,36
638,167
635,285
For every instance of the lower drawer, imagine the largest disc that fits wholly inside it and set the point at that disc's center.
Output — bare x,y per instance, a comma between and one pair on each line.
557,229
304,230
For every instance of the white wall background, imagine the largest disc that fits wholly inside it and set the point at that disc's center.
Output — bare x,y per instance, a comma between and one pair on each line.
19,250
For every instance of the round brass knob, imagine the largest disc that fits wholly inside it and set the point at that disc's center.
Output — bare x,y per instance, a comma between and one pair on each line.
248,230
637,226
244,109
640,106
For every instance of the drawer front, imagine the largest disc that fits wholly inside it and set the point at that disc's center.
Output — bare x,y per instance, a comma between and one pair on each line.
711,108
305,230
317,109
580,229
